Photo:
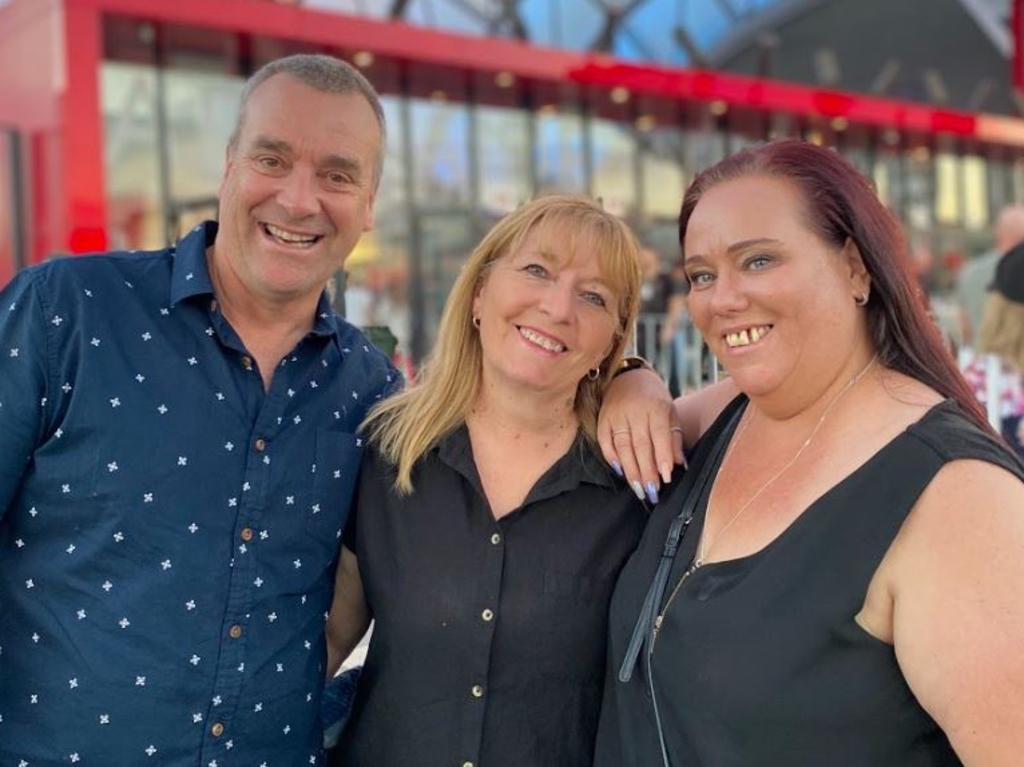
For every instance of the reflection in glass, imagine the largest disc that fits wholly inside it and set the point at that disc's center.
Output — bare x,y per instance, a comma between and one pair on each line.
661,152
888,178
1000,188
947,189
919,189
613,153
704,147
440,153
976,211
503,141
201,110
377,285
445,241
559,152
132,156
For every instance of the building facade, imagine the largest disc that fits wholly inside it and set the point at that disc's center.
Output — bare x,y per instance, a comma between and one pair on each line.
114,116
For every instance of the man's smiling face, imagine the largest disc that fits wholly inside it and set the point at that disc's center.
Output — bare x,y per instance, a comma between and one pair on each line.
298,188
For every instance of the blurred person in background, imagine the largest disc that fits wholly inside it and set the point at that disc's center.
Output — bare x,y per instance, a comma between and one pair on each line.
1002,335
849,590
489,533
975,278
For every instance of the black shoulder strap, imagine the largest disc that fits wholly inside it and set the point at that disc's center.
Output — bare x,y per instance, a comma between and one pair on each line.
644,627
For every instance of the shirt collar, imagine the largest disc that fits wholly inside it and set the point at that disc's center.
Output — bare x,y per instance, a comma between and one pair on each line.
190,276
580,464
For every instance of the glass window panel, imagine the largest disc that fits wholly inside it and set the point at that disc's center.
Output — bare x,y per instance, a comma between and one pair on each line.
888,178
613,151
503,160
440,153
664,181
947,189
976,212
999,184
445,242
377,285
131,156
704,147
559,151
1018,180
201,110
919,189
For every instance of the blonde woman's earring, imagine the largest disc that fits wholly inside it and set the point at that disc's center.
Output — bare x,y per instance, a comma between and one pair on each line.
476,323
593,374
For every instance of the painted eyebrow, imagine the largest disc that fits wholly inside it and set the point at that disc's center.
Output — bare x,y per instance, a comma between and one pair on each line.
735,248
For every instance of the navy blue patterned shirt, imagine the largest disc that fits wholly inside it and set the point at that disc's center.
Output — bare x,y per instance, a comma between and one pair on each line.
168,530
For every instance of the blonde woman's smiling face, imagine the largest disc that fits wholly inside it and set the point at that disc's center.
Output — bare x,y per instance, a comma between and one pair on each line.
547,315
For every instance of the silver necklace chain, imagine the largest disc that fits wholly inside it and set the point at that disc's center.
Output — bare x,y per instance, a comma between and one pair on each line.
702,549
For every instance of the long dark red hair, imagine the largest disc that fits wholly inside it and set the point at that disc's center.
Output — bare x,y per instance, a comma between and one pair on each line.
842,205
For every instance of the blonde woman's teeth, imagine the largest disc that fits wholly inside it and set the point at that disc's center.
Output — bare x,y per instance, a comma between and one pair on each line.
542,341
747,336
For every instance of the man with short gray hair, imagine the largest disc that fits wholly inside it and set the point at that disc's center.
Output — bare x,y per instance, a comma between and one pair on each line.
178,451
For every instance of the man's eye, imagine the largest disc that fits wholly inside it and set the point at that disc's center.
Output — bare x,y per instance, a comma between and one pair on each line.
337,179
270,163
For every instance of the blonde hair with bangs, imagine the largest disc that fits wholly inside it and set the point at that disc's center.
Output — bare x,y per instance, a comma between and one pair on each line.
409,424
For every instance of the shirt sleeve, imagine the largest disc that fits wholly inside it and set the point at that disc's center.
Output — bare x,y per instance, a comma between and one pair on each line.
23,380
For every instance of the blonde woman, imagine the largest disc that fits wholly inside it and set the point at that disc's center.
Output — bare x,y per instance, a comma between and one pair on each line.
489,531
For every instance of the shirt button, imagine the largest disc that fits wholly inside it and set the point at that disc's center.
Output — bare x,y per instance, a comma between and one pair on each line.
217,730
246,534
478,691
495,539
260,444
247,362
467,764
235,631
487,615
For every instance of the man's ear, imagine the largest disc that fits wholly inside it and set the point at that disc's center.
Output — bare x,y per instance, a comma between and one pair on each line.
368,213
229,164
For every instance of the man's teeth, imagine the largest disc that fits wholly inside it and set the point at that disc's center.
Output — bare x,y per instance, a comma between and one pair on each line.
542,341
746,337
283,234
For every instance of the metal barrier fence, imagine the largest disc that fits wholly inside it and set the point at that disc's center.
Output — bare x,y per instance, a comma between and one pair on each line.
680,357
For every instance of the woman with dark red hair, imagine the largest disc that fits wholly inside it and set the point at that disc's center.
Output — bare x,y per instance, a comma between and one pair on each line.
849,588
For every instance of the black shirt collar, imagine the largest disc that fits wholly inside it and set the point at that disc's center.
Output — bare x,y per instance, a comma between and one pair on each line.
581,463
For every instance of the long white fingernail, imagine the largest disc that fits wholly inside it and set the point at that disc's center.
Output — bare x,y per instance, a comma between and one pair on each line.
638,489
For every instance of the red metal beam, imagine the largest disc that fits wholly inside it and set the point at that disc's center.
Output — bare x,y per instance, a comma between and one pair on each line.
478,54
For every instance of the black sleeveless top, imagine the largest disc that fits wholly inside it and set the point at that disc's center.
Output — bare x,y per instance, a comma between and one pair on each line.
759,660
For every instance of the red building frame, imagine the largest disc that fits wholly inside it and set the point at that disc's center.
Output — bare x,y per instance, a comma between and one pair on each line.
51,52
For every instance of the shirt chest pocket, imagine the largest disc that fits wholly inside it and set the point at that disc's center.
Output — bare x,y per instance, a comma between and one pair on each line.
334,475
